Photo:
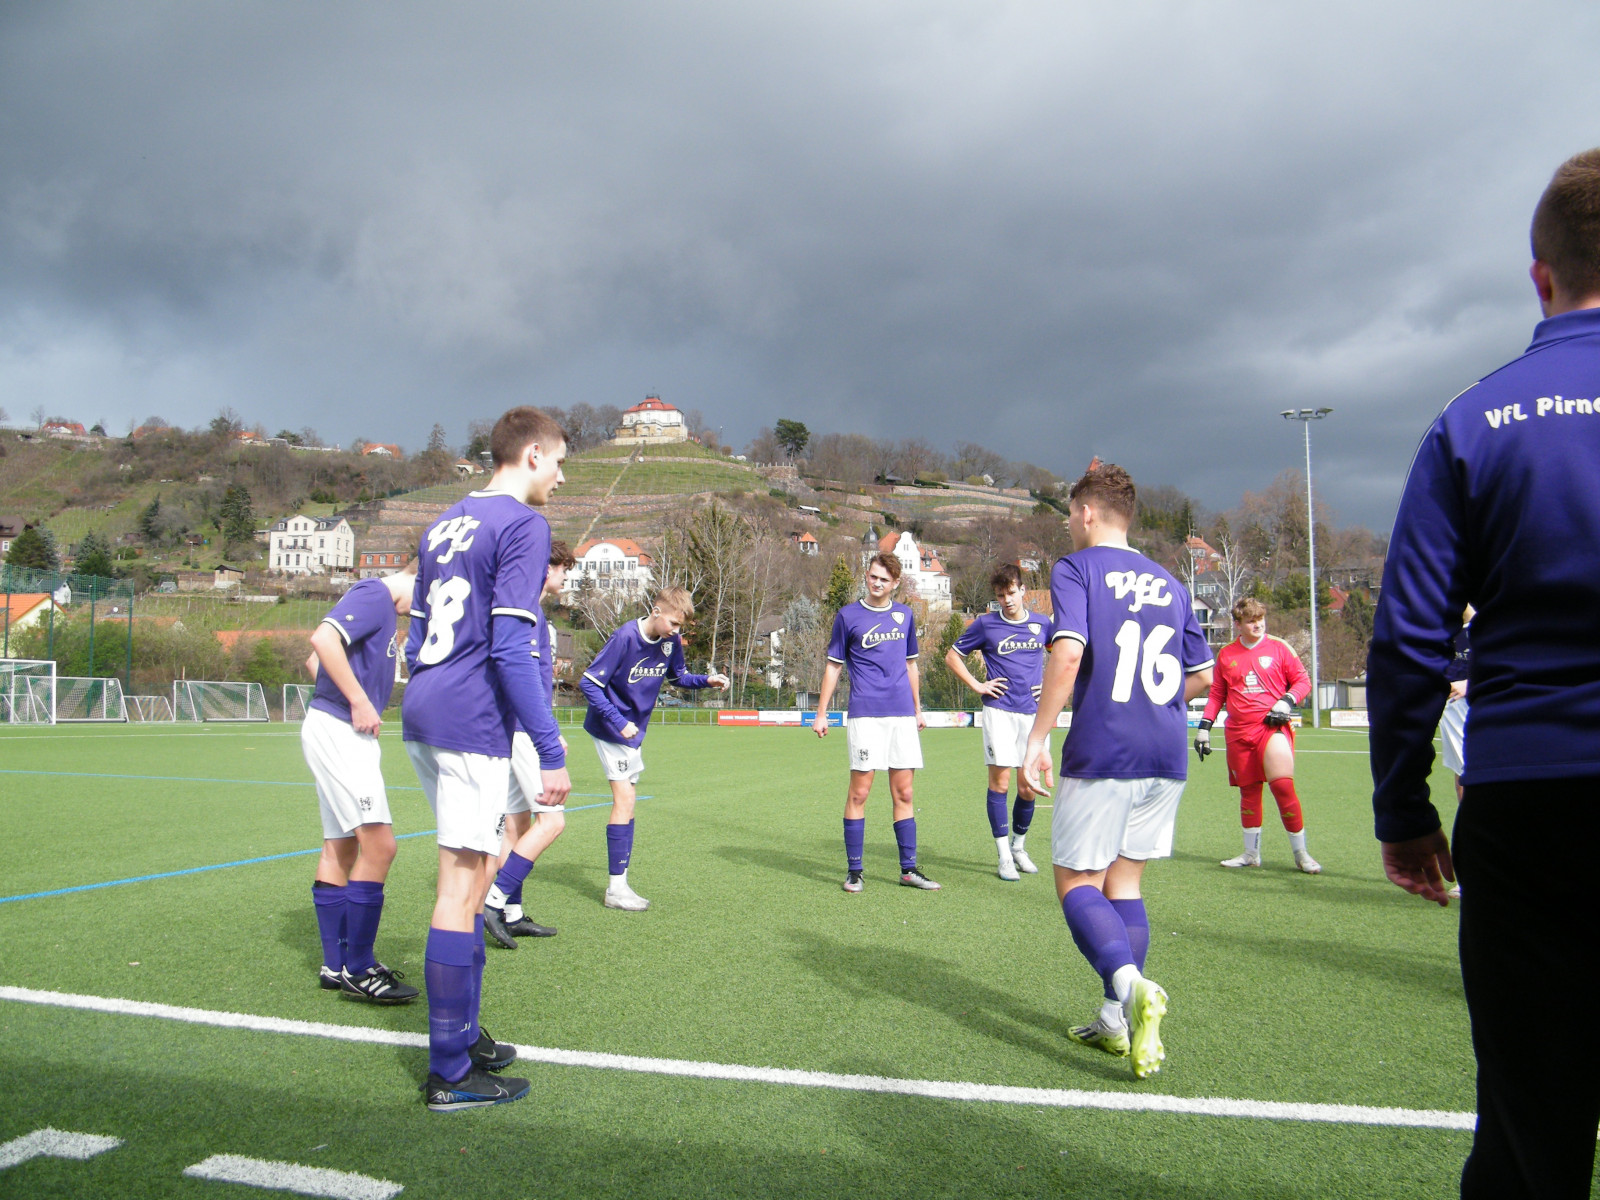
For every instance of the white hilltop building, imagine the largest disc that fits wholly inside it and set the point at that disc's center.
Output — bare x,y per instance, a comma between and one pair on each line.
302,545
921,573
653,422
610,565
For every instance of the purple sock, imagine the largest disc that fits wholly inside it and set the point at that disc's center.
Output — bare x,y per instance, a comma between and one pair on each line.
1137,923
510,878
1021,815
329,899
619,847
855,837
478,959
905,836
996,804
447,971
363,909
1098,931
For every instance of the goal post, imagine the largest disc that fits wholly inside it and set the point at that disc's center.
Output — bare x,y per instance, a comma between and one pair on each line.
27,691
80,698
217,700
149,709
296,700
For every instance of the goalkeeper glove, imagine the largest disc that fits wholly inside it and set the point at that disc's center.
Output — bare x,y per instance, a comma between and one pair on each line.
1202,739
1278,714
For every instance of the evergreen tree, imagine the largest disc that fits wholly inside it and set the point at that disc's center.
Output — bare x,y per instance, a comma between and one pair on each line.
92,556
237,514
150,521
793,436
841,587
34,547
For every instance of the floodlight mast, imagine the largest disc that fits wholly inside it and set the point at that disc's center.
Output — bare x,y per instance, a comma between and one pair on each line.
1305,416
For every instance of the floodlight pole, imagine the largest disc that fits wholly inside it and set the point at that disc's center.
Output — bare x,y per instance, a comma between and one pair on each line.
1305,416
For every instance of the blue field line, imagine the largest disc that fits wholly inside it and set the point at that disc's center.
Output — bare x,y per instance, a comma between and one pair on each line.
393,787
243,862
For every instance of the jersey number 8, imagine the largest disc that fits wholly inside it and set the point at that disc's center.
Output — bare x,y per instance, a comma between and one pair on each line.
447,604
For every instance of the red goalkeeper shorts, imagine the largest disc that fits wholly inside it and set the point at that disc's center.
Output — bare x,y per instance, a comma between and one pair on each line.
1247,751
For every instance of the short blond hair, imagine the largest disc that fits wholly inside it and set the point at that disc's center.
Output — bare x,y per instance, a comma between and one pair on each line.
1248,608
677,599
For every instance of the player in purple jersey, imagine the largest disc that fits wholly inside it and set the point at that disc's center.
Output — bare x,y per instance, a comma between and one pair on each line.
877,640
1128,650
354,659
474,614
1013,643
530,825
621,685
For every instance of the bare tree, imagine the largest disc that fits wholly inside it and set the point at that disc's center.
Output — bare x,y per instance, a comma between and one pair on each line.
605,610
1233,566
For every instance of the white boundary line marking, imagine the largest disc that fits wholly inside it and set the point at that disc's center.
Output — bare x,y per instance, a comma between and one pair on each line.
54,1143
292,1177
1269,1110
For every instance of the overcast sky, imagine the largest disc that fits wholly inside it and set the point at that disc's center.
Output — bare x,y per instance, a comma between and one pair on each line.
1056,228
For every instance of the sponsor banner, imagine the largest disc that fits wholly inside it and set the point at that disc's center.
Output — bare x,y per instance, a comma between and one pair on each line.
835,719
947,720
781,716
1348,718
738,717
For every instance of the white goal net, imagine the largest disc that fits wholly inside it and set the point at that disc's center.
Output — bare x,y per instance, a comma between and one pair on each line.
87,699
27,691
296,699
149,708
212,700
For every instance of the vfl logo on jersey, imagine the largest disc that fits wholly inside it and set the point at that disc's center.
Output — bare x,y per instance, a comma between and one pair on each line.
899,618
666,649
1265,660
642,670
394,650
1013,644
458,532
1148,590
873,636
1034,629
863,754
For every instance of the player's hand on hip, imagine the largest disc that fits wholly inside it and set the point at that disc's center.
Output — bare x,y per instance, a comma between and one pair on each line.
364,718
1421,866
819,724
1202,740
1458,689
629,730
557,786
991,687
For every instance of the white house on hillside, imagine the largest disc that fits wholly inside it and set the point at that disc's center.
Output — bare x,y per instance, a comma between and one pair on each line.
921,572
652,422
612,565
301,545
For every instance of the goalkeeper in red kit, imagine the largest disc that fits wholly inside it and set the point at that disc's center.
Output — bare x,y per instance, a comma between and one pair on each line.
1259,680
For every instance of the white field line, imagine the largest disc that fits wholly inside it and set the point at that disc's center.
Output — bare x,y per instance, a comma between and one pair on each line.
292,1177
54,1143
1270,1110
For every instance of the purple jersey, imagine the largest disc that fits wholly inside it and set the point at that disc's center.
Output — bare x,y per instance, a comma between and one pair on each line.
1013,651
875,644
625,678
1140,640
485,557
543,649
365,620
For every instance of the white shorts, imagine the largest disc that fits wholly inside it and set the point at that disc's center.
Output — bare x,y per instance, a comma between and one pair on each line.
467,793
1005,737
348,770
1095,820
1453,732
883,743
525,786
622,764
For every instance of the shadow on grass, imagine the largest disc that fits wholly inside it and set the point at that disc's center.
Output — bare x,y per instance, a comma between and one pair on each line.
1433,974
874,971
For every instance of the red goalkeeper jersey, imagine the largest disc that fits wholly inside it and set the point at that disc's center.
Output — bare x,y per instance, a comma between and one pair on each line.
1248,682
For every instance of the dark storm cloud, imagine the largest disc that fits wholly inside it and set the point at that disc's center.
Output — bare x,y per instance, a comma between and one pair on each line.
1053,229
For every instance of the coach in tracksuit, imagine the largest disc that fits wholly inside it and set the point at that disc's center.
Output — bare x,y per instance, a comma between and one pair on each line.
1502,511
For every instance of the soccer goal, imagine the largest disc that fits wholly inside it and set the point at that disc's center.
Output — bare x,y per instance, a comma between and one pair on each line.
27,691
87,699
149,708
212,700
296,699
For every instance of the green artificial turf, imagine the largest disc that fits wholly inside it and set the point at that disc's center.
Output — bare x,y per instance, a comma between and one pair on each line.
1334,989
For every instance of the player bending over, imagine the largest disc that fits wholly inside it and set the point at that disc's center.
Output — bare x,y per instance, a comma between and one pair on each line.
1013,643
523,837
1260,681
877,639
622,685
1128,650
474,615
354,664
